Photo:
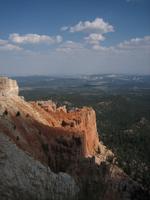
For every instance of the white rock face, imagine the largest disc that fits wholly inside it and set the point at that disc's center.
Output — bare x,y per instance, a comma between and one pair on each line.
22,177
8,87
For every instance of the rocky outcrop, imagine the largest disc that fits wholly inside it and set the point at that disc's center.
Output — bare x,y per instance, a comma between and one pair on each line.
22,177
8,87
63,141
81,120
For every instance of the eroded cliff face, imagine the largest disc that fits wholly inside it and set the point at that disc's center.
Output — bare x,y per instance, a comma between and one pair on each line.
79,120
66,141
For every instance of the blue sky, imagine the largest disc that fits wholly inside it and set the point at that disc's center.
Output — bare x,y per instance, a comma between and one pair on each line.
74,36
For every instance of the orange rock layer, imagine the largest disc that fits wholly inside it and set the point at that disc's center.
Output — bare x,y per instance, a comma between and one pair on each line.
82,121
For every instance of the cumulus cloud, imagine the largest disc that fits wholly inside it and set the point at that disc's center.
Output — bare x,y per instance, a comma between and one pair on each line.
34,39
97,25
96,30
94,38
135,43
128,45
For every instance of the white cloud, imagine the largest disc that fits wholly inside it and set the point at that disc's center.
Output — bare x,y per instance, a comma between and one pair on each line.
69,46
58,39
135,43
72,58
94,38
128,45
98,25
98,47
96,29
3,42
34,39
6,46
10,47
90,56
64,28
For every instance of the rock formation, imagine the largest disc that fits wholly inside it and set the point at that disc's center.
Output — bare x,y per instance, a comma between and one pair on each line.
59,140
8,87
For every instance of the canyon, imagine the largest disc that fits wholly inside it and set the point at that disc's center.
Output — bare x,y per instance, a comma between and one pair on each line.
50,152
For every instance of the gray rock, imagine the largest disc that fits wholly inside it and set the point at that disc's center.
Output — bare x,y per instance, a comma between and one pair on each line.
22,177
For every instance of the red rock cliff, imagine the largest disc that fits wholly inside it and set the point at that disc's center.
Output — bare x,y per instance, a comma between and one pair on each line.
79,120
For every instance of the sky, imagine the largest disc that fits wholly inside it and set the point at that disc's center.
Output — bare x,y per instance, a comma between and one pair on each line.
70,37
